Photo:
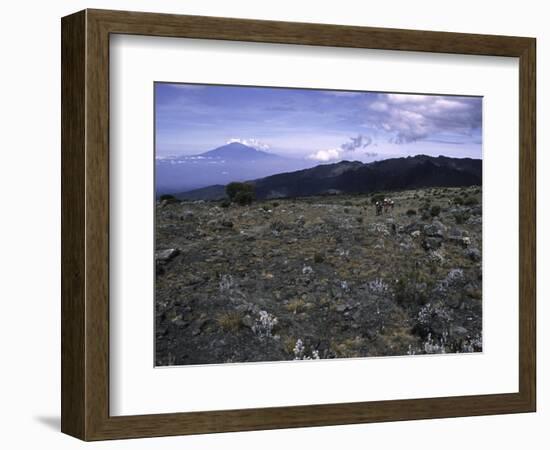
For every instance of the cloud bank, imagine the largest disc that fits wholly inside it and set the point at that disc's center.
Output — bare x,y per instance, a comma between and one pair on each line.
410,118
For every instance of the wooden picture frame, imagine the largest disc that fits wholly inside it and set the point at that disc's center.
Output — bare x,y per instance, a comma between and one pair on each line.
85,224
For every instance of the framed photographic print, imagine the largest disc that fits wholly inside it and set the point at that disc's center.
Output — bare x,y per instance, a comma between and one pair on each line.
270,224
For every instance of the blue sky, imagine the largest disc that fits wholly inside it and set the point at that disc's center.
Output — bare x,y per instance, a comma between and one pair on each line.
320,125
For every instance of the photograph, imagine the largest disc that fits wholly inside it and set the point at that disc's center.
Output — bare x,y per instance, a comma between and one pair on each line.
300,224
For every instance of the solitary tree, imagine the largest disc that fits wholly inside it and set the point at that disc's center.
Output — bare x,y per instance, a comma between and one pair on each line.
241,193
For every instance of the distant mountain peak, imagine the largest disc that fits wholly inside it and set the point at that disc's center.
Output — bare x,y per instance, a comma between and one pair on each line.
237,150
238,145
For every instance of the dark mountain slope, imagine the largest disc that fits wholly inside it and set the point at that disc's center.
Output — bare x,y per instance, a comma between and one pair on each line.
356,177
387,175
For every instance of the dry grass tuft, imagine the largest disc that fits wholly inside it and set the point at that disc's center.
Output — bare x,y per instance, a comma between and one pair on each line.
296,306
230,321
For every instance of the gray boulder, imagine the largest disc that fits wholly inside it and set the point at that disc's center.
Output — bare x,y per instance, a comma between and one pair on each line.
474,254
431,243
435,229
166,255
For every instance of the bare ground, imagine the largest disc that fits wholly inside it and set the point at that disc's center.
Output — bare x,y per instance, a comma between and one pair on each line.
318,277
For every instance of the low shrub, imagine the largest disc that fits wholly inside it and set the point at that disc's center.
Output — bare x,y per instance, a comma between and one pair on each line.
435,210
471,201
241,193
425,206
461,218
296,306
244,198
168,198
230,321
411,212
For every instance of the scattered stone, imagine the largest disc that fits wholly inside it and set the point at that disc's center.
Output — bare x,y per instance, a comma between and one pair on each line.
278,226
321,279
476,210
166,255
474,254
340,308
455,233
436,256
474,220
459,332
248,321
435,229
187,215
193,279
431,243
411,228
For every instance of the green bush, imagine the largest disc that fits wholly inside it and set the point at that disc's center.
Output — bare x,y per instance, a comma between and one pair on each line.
425,206
168,198
461,218
408,292
458,201
241,193
225,203
471,201
411,212
435,210
244,198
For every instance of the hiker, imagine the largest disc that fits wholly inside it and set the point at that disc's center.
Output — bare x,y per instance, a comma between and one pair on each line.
378,208
388,204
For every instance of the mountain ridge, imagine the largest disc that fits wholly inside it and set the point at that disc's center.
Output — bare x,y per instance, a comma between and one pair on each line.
352,177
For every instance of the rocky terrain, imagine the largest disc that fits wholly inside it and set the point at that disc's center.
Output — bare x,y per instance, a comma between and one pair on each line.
319,277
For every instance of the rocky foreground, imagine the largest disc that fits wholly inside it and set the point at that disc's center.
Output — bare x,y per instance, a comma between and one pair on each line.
318,277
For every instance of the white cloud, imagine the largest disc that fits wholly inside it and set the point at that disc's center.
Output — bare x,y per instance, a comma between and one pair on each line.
331,154
379,106
409,118
255,143
343,93
187,87
408,98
